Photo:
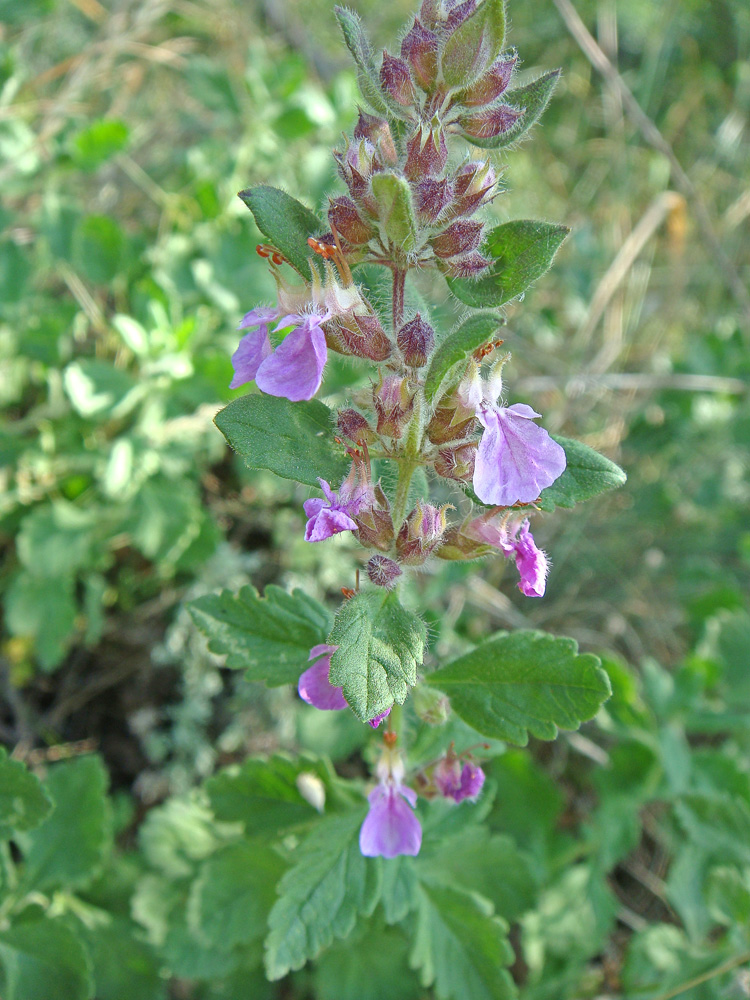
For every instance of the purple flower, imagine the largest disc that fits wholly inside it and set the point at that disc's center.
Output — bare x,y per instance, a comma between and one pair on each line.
314,686
337,512
516,459
316,689
390,827
517,542
458,782
295,369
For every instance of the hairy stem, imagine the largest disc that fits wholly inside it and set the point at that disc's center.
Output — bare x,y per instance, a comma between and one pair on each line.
409,461
399,282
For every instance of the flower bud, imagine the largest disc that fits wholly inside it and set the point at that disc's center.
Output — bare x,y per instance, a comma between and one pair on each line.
344,216
491,122
426,152
374,522
433,197
490,86
474,186
394,402
459,14
430,13
419,48
461,237
469,266
458,547
415,341
458,781
353,426
364,337
383,572
378,132
421,533
457,462
395,79
430,705
451,420
355,167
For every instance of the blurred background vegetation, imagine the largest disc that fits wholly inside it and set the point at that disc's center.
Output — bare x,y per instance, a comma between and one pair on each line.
126,261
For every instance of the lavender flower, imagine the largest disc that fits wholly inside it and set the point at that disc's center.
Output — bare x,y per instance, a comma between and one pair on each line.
390,827
316,689
254,347
458,782
295,368
517,542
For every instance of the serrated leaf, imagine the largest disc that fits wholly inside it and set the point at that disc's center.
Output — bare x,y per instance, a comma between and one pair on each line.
399,893
718,823
461,949
294,440
43,609
728,896
23,802
233,895
286,223
524,682
587,474
370,965
264,793
321,896
43,959
521,252
124,966
368,78
532,100
474,46
396,217
270,637
380,646
70,845
472,334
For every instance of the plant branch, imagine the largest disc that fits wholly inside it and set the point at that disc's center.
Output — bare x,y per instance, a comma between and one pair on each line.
704,977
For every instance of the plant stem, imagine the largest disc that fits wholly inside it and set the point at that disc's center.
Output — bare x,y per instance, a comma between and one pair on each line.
399,282
409,461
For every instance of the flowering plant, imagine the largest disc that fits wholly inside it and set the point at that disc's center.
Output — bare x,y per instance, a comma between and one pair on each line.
429,463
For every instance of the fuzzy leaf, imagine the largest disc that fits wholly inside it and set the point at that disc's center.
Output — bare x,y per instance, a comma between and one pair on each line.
294,440
270,637
398,222
586,475
71,844
521,251
456,347
380,646
461,947
286,223
524,682
474,46
43,959
532,100
321,896
124,966
368,78
24,803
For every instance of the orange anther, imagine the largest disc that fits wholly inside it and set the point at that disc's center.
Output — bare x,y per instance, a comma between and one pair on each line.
348,592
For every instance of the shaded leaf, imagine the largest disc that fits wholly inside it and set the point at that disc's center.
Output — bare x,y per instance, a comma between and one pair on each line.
286,223
396,218
474,46
23,801
458,346
587,474
532,100
368,78
43,959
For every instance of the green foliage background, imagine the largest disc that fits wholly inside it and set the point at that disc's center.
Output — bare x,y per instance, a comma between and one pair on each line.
126,260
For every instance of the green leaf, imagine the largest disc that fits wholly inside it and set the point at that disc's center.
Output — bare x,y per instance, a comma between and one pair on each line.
123,965
368,77
521,252
524,682
270,637
231,900
294,440
586,475
98,248
45,610
285,222
23,801
399,894
728,896
398,223
720,824
321,896
178,834
474,46
57,539
71,844
44,960
380,646
372,964
96,388
264,794
99,141
476,331
532,100
461,947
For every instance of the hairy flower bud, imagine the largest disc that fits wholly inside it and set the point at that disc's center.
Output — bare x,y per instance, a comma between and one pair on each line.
378,132
451,420
457,462
430,705
394,401
419,48
415,341
461,237
491,122
374,522
364,336
421,533
430,13
459,14
433,196
470,265
395,79
383,572
344,216
354,426
426,152
458,547
474,186
490,86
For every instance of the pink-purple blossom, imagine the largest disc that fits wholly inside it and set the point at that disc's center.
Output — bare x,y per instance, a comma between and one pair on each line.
514,541
294,369
335,513
316,689
390,827
456,780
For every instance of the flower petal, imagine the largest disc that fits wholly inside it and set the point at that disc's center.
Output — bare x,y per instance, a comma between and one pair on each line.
253,349
516,459
295,369
326,523
315,688
376,720
531,563
390,827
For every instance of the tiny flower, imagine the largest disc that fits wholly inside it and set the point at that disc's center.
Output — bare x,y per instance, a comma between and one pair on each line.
390,827
490,86
394,402
336,513
457,462
354,426
514,542
415,341
475,185
314,686
364,336
469,265
295,369
374,521
254,347
383,572
378,132
458,781
421,533
433,196
349,224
